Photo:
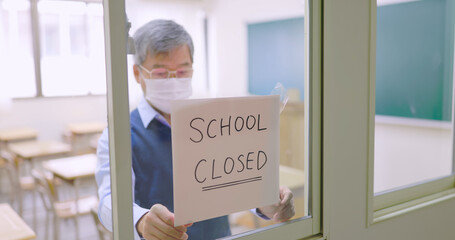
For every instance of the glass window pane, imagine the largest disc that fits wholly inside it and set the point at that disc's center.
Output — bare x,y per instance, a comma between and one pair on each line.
77,35
414,78
237,54
17,69
95,48
72,43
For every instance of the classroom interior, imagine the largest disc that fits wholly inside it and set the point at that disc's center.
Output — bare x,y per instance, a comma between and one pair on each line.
53,112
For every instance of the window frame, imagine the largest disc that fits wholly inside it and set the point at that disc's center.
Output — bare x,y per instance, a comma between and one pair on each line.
36,51
398,201
389,204
118,119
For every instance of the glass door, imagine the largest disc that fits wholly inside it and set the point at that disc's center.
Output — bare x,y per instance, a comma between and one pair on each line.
238,54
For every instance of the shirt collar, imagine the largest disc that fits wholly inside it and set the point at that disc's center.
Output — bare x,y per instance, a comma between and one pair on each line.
147,113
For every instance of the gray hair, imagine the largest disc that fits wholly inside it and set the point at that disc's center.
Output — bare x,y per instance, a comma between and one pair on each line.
159,36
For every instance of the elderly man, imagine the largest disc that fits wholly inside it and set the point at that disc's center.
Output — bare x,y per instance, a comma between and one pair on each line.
163,68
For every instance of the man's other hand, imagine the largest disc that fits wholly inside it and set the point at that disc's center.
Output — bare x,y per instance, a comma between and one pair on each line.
158,223
283,210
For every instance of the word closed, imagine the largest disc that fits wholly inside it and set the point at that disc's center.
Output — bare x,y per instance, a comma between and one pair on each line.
242,163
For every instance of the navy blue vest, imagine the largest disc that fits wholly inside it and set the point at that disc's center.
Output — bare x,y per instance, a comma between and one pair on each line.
152,165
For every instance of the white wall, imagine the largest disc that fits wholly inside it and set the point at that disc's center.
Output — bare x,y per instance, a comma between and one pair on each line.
49,116
408,151
228,19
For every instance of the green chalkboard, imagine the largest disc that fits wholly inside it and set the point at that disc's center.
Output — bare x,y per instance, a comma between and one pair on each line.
414,59
276,54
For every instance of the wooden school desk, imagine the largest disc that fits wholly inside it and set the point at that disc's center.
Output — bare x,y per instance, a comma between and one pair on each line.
81,134
34,149
12,227
71,170
16,134
86,128
29,150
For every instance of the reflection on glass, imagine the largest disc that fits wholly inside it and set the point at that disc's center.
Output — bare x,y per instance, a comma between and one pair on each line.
17,70
414,76
72,43
275,53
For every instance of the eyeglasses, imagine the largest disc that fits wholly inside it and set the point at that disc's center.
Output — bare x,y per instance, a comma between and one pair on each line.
158,73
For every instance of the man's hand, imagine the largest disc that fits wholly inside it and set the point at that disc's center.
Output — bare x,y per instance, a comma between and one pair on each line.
158,223
283,210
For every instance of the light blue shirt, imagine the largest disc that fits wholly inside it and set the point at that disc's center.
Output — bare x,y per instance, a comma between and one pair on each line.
103,178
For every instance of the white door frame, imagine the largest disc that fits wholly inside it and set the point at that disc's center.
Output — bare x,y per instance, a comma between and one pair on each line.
348,134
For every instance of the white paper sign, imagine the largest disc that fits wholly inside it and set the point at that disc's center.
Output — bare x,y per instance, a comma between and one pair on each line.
225,156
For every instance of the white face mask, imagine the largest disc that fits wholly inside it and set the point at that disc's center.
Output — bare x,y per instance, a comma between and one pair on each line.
160,92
